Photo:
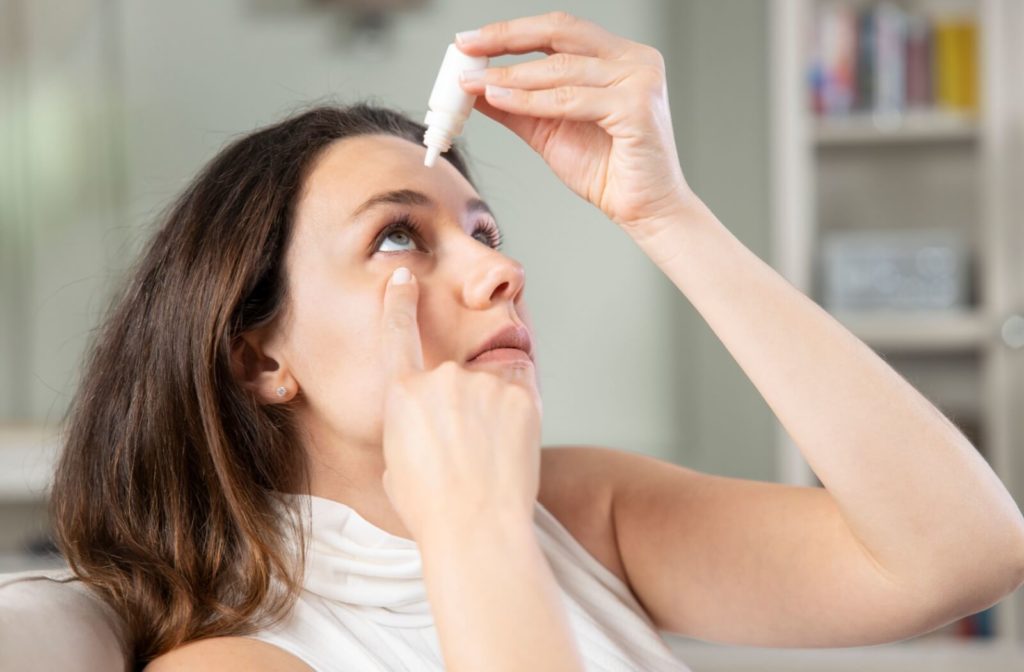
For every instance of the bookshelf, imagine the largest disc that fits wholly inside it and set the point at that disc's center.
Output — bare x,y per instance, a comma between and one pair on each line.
871,142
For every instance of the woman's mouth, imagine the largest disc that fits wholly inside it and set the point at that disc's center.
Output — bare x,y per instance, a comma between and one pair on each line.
501,355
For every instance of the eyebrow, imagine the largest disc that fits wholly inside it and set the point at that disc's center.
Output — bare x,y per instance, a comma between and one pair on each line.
413,197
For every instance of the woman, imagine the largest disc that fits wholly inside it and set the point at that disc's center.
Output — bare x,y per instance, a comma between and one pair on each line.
267,380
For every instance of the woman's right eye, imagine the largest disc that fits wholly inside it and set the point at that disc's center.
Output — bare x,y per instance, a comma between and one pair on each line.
402,226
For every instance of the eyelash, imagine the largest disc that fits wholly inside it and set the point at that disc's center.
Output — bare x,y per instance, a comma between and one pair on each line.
404,222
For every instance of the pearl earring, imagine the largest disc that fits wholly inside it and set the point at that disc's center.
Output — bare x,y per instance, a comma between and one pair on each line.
281,391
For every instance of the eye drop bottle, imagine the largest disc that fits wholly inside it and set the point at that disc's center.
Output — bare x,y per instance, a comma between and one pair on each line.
449,106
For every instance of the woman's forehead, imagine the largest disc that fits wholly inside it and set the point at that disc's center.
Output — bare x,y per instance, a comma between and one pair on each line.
352,170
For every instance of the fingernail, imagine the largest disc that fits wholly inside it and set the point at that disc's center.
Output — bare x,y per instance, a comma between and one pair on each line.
497,91
400,276
467,36
472,75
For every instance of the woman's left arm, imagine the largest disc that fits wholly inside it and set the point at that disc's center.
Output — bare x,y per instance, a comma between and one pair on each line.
912,489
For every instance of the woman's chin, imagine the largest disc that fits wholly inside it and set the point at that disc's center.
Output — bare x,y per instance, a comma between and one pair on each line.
518,371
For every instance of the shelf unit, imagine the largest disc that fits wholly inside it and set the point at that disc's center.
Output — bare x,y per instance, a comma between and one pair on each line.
969,362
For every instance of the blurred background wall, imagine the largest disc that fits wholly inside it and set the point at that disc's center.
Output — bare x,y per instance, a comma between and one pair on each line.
111,107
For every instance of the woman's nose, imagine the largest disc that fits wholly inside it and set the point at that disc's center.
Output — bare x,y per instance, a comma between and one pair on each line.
496,278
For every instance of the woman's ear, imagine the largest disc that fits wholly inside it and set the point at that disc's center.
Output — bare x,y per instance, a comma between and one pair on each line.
256,370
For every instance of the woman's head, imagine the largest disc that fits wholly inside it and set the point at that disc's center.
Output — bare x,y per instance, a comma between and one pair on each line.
367,206
260,276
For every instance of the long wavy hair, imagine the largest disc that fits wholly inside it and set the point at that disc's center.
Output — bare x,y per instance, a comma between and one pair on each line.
163,501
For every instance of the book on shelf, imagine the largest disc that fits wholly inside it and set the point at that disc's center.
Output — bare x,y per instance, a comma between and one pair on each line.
887,59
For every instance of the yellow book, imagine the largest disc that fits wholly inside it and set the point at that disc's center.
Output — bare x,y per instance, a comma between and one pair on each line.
956,64
969,54
945,64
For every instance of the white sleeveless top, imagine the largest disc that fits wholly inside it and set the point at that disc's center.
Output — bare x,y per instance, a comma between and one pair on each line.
364,604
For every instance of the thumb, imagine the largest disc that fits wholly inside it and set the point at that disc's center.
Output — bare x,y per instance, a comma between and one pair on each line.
400,333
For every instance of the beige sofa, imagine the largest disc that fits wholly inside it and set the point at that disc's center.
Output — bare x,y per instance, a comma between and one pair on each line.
46,625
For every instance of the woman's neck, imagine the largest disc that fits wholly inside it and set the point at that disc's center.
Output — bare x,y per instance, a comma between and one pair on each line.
353,476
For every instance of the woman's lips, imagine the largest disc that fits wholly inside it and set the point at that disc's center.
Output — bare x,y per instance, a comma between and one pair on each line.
501,355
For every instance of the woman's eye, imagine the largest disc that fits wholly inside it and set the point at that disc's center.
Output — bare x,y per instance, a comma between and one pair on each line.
492,234
397,231
406,230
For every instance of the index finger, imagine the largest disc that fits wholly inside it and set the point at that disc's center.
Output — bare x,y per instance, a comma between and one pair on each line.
549,33
400,337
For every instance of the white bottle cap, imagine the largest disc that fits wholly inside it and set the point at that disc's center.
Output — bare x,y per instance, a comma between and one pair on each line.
449,105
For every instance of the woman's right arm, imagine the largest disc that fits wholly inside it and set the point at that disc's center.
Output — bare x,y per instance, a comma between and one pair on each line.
462,455
495,600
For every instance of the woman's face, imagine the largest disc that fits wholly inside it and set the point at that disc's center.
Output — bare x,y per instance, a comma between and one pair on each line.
340,259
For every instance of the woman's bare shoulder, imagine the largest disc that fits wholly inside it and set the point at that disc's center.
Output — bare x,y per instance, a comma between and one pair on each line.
576,487
228,653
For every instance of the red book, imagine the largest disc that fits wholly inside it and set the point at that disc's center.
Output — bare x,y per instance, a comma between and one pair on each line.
918,59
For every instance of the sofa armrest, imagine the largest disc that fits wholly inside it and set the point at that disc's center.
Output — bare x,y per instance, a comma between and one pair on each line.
49,625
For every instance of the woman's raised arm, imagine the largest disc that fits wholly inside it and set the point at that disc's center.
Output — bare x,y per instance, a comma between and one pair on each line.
917,496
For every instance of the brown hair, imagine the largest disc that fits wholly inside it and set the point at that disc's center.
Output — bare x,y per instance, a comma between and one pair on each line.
163,498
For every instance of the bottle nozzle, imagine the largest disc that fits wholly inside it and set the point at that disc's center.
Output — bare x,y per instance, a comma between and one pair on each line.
431,157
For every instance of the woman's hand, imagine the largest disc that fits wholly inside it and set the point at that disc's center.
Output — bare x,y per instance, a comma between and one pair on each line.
459,445
596,109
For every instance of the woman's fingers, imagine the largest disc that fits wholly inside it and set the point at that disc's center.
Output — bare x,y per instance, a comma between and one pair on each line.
576,103
549,33
400,333
548,73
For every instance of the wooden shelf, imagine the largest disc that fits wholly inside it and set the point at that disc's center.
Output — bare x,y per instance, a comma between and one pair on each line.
921,331
924,126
